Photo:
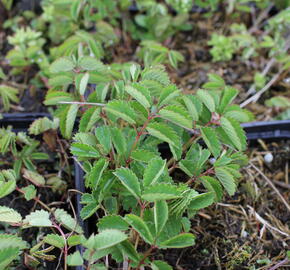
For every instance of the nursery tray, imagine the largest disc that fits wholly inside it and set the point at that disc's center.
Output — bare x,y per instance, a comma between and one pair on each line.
21,122
271,130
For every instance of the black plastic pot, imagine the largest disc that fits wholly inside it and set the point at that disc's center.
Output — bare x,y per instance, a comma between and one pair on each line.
268,130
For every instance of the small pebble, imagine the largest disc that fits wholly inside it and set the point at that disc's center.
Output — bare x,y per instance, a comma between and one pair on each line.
268,158
212,161
244,234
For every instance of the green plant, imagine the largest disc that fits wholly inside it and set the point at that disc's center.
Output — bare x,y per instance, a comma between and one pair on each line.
8,94
130,185
27,49
156,22
153,53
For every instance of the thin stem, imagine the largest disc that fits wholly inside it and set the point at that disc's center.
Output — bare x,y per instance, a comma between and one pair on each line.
184,148
35,199
207,172
65,250
279,264
146,254
82,103
139,134
269,182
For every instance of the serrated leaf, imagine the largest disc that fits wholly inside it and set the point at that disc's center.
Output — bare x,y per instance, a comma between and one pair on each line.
211,184
29,192
153,171
191,103
140,93
121,109
54,240
8,94
160,215
206,99
11,241
226,179
74,240
89,209
200,201
128,250
109,238
97,172
7,187
75,259
140,226
90,63
112,222
62,64
83,83
228,96
160,192
34,177
7,255
234,132
169,93
164,133
160,265
61,80
237,113
54,97
38,218
143,155
9,215
67,221
70,120
41,125
129,180
179,241
103,135
156,73
176,115
84,150
210,138
215,82
278,101
89,119
119,140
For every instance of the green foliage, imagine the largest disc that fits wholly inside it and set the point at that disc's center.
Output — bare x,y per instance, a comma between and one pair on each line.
120,130
8,94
